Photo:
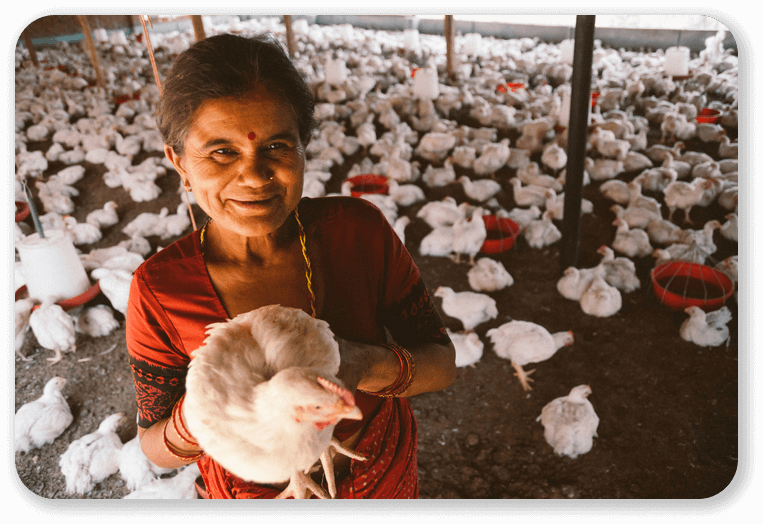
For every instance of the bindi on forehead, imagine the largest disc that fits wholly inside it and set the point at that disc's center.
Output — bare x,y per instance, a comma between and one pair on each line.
251,136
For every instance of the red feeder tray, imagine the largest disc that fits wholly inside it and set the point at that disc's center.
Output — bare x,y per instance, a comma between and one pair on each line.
501,234
368,185
708,116
680,284
515,85
23,210
594,96
67,303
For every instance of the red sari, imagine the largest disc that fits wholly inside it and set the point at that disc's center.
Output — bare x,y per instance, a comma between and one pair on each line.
371,287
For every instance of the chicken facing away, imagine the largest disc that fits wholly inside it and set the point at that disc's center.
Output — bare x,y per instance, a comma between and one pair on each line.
489,275
54,328
706,329
135,468
525,343
262,398
472,309
41,421
181,486
570,422
469,348
90,459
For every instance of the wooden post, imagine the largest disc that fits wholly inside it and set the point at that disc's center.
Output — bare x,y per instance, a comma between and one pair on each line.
580,105
289,35
30,48
91,47
198,27
450,46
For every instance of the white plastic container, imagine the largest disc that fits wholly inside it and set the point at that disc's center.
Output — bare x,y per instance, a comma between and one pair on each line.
472,44
426,84
676,61
51,266
336,72
411,39
568,50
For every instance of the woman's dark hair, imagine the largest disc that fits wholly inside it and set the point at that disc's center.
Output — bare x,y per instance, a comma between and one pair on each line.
224,66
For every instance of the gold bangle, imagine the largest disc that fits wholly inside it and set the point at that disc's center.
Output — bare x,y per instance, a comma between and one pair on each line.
174,452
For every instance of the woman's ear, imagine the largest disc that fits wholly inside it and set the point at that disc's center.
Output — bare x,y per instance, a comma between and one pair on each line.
175,160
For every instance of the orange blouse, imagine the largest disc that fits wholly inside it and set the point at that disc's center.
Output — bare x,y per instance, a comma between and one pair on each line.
371,286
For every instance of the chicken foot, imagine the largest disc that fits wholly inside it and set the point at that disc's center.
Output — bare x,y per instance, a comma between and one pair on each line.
523,376
300,485
328,464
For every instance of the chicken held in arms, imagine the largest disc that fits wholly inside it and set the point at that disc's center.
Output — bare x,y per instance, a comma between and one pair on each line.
262,398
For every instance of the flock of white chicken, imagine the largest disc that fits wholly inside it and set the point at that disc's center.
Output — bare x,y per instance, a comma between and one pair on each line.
413,142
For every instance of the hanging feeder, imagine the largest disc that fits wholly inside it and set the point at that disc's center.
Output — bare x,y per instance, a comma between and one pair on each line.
368,185
679,284
501,234
708,116
22,210
67,303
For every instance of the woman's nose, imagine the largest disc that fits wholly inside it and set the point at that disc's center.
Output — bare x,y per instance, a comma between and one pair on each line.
257,170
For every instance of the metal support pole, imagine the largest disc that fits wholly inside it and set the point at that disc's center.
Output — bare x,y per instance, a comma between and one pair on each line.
30,48
450,45
198,27
93,52
289,35
580,104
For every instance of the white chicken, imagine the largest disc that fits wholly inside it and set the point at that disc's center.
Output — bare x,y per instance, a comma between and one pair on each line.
440,213
468,235
92,458
616,190
438,243
22,309
115,284
685,195
574,282
554,157
179,487
530,195
469,348
525,343
276,418
135,468
570,423
492,158
620,271
631,242
488,275
105,217
42,420
729,228
706,329
96,321
54,328
471,308
664,232
399,227
439,176
600,299
81,232
523,217
479,190
543,232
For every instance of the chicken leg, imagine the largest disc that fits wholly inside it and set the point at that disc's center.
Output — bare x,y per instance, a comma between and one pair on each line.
523,376
328,464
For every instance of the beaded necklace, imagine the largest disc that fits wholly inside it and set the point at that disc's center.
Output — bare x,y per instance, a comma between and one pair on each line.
308,268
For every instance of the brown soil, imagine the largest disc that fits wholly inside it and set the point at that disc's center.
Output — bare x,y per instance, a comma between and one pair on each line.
668,408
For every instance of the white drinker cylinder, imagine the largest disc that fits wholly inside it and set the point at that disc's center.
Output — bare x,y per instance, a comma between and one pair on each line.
472,43
411,39
568,49
425,83
676,61
336,73
51,266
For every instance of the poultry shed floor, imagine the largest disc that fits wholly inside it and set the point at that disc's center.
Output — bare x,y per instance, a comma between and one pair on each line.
669,409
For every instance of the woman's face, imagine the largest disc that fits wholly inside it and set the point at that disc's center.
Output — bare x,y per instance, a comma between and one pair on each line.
244,161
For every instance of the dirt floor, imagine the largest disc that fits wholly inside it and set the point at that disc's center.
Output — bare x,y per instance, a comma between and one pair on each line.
669,409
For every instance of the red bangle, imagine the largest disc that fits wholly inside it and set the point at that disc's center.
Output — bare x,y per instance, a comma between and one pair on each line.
175,452
177,413
406,376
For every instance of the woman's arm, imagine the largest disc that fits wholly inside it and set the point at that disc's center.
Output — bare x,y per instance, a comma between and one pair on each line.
154,447
372,368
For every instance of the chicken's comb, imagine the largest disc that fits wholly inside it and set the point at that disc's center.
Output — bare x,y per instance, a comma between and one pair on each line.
342,392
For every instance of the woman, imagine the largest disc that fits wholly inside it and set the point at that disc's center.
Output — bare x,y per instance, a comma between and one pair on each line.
236,117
